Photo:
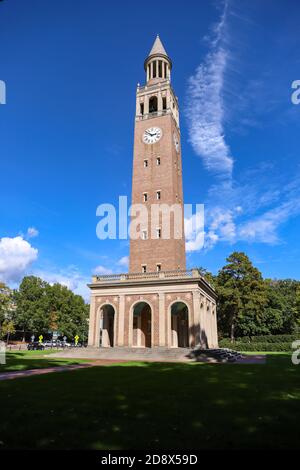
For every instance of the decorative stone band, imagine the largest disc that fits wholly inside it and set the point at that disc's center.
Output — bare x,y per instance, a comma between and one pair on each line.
195,273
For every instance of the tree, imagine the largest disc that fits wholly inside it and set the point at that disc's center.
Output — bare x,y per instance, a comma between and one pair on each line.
241,297
32,313
5,302
8,329
68,312
208,276
43,308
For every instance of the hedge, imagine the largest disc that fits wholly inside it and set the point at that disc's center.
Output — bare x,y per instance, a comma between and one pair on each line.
257,346
264,339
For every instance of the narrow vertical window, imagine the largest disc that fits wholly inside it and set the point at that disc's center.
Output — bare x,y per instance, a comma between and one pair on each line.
144,268
160,68
142,109
145,197
145,163
158,161
158,195
158,233
144,234
154,69
158,268
164,100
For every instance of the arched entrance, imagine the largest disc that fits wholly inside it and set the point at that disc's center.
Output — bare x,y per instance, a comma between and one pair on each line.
107,324
179,325
141,325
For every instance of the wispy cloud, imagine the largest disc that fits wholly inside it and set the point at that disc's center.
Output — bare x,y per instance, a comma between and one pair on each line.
32,232
102,270
124,261
254,208
264,228
205,105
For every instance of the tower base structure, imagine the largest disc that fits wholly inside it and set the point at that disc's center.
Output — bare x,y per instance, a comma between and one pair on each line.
172,309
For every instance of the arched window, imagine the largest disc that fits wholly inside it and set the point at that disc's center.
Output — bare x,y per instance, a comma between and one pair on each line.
153,104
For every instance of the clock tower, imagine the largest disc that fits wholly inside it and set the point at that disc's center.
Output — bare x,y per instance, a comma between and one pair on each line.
158,304
157,170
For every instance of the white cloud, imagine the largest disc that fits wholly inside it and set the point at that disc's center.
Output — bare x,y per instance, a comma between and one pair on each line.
32,232
16,255
196,243
124,261
205,106
254,208
102,270
264,228
69,277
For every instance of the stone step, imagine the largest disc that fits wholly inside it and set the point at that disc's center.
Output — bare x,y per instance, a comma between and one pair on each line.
172,354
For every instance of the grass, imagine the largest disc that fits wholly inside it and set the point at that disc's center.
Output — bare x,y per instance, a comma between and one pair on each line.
24,360
155,406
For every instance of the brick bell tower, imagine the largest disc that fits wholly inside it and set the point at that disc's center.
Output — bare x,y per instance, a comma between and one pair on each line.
158,303
157,169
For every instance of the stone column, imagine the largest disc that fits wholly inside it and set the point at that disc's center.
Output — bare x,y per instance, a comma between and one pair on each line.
146,104
197,316
210,326
162,319
169,327
121,316
130,328
159,102
92,326
137,109
203,327
98,326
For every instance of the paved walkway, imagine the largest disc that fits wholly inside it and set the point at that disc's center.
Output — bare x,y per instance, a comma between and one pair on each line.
48,370
28,373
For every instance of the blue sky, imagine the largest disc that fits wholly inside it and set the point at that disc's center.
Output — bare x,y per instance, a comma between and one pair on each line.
66,130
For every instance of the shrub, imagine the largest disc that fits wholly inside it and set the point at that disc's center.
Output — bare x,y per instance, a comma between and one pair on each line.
262,339
257,346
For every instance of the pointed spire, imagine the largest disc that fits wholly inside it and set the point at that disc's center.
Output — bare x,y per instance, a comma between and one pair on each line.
158,48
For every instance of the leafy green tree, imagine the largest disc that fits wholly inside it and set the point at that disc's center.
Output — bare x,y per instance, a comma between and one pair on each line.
8,329
68,312
5,302
241,297
210,278
32,312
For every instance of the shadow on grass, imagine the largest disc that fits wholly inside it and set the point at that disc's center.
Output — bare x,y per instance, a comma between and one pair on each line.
25,360
155,405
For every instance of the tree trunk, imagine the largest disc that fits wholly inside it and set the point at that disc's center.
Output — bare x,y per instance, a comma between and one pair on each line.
7,339
23,339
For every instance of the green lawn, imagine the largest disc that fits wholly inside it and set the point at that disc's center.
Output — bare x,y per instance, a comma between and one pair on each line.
24,360
155,405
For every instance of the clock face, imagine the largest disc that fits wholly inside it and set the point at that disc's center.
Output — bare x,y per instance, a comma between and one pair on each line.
176,142
152,135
